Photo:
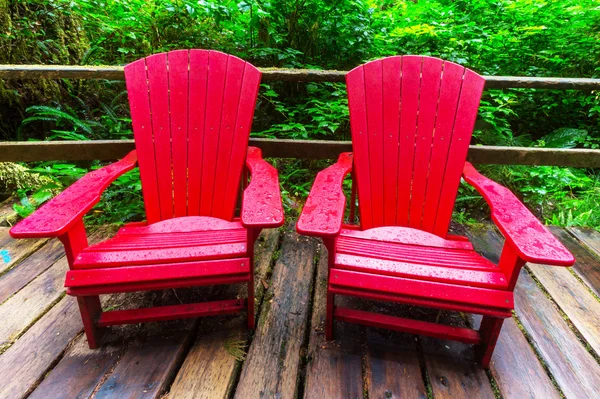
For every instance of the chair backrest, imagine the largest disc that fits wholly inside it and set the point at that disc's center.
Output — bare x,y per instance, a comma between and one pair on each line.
411,119
191,112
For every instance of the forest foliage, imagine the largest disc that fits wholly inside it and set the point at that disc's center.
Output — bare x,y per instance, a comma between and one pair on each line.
559,38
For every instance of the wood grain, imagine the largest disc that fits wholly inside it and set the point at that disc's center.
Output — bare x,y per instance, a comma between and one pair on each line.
79,371
334,368
34,299
451,367
515,367
587,255
392,366
29,268
145,369
26,362
574,369
574,299
280,74
16,250
209,369
273,362
23,151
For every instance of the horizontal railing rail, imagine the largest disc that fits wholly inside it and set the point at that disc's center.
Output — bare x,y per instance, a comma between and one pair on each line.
29,151
281,148
281,74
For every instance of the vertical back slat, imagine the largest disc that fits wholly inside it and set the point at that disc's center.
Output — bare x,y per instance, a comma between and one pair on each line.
178,86
374,109
355,82
431,73
392,74
466,114
217,71
137,90
198,79
448,101
158,84
411,127
411,82
231,100
243,123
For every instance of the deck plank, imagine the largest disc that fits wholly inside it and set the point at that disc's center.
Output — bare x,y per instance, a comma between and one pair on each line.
16,249
334,368
209,369
392,365
26,362
451,366
273,362
514,365
574,299
145,369
573,368
29,268
79,371
586,252
23,308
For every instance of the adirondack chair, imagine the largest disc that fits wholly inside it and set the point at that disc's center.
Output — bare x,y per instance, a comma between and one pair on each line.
411,119
192,113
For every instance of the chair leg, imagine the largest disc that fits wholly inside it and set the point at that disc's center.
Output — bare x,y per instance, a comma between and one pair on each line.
329,316
489,332
90,309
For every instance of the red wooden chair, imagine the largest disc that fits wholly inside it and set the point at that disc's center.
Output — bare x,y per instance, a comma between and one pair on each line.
412,118
191,112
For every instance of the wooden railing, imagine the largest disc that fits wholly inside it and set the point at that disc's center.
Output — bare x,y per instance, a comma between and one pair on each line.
308,149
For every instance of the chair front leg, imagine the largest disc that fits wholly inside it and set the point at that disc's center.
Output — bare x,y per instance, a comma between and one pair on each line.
489,332
252,236
75,241
330,245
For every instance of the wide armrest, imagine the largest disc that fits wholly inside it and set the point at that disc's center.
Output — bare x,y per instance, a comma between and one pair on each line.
58,215
323,213
529,237
261,203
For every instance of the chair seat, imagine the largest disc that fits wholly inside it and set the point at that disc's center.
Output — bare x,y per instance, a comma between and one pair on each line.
412,263
184,239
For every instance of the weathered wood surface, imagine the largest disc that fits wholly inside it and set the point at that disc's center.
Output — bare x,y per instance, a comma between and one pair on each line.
209,369
392,365
23,151
145,369
514,365
15,250
334,368
79,371
26,362
587,254
575,370
573,299
29,268
272,366
451,367
280,74
23,308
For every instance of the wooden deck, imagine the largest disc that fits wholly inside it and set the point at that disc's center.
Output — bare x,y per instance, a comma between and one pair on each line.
548,350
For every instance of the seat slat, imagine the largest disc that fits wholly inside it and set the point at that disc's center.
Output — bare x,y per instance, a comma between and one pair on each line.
160,272
422,271
422,289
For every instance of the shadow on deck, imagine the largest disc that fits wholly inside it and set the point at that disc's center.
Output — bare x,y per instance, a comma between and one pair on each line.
549,349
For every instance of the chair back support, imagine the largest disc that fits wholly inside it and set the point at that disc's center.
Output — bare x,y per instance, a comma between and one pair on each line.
411,119
191,112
